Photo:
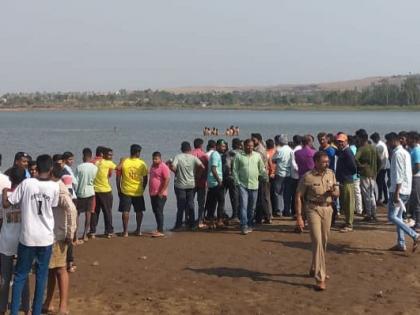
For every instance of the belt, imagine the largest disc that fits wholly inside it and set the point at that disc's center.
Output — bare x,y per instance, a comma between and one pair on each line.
320,204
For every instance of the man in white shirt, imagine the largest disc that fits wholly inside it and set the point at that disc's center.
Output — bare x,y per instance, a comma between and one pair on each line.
382,151
400,190
36,197
283,159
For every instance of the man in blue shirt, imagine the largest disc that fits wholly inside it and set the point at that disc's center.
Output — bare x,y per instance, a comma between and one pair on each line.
413,143
326,147
216,191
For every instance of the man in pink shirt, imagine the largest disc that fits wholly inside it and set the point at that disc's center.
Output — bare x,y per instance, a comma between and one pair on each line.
201,183
158,190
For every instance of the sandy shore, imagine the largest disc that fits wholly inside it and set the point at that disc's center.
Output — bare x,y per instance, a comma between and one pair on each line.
265,272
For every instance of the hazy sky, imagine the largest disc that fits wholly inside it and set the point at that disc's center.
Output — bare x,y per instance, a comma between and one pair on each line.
106,45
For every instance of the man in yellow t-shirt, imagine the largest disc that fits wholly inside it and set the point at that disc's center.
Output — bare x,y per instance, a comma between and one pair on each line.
103,193
131,183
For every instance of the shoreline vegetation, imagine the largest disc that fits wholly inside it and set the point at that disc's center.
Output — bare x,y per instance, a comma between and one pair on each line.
297,107
399,93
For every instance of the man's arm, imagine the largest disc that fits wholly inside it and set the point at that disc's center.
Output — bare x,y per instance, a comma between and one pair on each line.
5,200
298,208
216,175
145,179
164,186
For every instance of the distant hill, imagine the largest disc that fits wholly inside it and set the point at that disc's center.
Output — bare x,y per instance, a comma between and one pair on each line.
293,88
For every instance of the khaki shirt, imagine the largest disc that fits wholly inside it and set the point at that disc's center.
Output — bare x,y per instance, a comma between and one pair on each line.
314,185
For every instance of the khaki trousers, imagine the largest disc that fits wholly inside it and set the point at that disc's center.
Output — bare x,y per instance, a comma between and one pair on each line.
319,221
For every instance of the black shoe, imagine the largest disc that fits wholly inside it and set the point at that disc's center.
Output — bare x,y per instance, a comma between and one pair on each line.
276,214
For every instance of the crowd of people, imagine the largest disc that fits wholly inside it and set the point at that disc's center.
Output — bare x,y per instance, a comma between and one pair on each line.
42,199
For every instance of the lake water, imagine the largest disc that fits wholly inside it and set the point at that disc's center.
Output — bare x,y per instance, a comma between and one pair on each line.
164,130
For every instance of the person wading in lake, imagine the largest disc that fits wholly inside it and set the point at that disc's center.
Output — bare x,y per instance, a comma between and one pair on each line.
315,193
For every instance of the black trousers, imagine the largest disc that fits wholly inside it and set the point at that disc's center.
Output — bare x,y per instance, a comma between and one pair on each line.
382,187
158,203
263,209
216,198
233,190
185,203
104,204
293,187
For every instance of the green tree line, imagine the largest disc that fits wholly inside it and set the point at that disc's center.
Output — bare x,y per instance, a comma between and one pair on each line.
382,93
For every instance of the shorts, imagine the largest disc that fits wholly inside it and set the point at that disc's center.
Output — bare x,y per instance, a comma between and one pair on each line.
58,255
85,204
126,202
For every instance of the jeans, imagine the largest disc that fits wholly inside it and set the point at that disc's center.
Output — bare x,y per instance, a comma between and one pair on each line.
278,194
247,202
216,198
6,267
185,203
158,203
396,218
415,200
382,187
201,200
26,255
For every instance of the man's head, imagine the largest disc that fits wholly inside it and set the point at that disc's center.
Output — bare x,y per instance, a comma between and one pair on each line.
297,140
361,137
308,140
248,146
32,169
108,153
403,138
185,147
341,140
256,138
375,137
16,176
392,140
269,143
58,160
281,140
221,146
323,139
56,172
68,158
87,154
236,144
321,161
44,164
198,143
135,150
211,145
157,158
412,139
21,160
100,151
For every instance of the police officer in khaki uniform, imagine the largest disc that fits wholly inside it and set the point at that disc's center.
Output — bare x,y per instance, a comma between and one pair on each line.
315,194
